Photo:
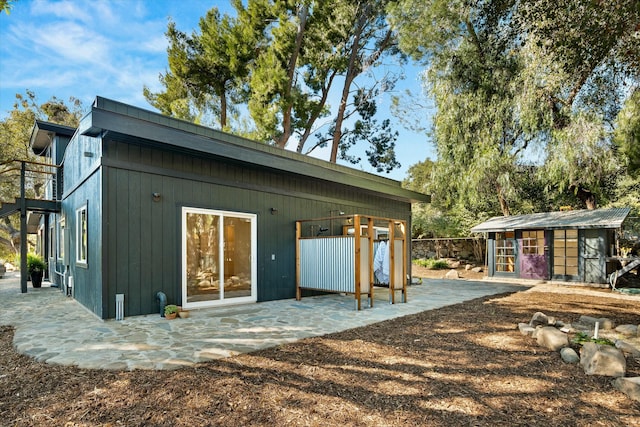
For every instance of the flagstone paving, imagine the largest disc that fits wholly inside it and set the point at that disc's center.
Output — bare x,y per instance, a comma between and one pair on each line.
56,329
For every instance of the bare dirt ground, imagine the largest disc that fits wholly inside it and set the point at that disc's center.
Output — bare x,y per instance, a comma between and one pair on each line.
465,364
419,271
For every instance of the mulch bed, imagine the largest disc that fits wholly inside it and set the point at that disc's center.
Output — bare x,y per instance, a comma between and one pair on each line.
465,364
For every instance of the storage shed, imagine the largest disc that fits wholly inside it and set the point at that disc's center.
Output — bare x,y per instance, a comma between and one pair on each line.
572,246
151,204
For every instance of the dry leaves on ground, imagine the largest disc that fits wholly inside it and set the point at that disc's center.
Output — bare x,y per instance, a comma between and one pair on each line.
460,365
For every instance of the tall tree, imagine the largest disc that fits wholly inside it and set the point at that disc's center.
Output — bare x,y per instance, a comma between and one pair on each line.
509,78
627,133
284,58
6,5
206,69
15,134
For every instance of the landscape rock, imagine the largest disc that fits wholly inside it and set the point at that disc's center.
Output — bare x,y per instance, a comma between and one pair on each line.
539,318
526,329
452,274
629,386
627,330
455,264
591,322
567,328
477,269
627,348
468,267
551,338
535,332
603,360
569,355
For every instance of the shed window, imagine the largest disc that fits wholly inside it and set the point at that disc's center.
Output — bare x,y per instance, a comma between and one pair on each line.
533,242
565,252
81,235
505,252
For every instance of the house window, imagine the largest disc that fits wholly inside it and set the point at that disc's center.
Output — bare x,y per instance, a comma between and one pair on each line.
505,252
52,240
565,252
81,235
40,241
533,242
60,241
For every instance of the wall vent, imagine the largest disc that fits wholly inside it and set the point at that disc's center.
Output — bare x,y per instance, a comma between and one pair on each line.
119,306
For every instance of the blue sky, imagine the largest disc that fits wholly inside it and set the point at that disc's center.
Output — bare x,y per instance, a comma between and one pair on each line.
85,48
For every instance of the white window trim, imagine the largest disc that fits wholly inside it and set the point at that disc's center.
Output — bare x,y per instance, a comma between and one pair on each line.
52,240
80,242
60,240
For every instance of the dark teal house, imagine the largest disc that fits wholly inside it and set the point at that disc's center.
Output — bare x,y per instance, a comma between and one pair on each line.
570,246
148,204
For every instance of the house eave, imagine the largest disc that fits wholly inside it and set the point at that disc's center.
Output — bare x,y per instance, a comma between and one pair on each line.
114,117
43,132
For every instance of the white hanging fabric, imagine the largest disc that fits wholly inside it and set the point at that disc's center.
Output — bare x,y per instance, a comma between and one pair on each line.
381,262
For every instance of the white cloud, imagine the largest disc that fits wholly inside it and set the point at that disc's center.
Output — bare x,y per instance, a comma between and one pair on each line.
67,10
70,41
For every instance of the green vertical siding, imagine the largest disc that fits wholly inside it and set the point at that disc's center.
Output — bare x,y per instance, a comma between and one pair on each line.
142,238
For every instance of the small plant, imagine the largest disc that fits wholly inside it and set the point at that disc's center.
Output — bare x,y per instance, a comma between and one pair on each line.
35,263
171,309
582,338
432,264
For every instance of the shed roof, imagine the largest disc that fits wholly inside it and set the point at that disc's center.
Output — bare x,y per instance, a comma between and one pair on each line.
125,120
596,218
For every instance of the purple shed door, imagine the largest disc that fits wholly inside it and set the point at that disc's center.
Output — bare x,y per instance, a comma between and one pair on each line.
533,258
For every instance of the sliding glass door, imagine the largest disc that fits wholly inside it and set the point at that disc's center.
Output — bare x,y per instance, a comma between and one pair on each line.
218,257
565,254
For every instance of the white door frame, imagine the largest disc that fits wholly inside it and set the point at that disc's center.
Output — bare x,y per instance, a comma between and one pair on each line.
254,244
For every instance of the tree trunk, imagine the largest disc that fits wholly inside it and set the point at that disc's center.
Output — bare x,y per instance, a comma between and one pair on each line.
223,111
286,114
348,79
585,196
504,205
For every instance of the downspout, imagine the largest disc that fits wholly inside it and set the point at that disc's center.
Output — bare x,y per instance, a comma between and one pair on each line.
161,297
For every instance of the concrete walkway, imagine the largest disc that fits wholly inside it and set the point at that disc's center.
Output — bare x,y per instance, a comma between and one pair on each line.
56,329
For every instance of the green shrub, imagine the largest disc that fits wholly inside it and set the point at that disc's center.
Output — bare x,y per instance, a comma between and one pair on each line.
432,264
170,309
582,338
35,263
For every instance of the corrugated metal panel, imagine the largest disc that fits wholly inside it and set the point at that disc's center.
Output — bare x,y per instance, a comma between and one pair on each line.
328,264
582,219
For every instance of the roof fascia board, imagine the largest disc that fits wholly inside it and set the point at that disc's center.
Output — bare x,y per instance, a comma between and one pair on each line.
106,120
534,222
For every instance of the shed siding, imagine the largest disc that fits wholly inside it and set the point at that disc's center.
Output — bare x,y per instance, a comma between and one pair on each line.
594,251
143,236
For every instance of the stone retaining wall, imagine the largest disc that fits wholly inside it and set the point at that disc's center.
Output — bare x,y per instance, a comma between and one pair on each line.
467,248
